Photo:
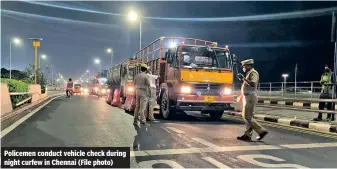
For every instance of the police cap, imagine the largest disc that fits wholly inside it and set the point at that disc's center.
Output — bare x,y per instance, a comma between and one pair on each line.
247,62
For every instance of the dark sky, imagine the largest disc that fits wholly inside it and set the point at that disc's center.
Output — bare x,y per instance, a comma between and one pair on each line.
73,39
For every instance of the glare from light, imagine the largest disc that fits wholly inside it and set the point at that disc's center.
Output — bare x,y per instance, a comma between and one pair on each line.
185,89
17,41
109,50
130,89
227,91
43,56
285,75
97,61
132,16
173,45
87,71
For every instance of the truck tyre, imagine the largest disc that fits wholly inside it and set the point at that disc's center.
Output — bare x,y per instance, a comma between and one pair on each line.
166,111
216,115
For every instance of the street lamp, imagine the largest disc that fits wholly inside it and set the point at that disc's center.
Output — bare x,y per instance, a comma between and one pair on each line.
285,80
97,61
43,57
16,41
133,17
110,52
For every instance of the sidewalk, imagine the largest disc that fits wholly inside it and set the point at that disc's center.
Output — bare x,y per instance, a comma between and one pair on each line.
294,118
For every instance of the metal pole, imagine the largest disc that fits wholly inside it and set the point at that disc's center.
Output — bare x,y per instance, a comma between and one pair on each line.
282,88
10,60
52,75
140,35
35,67
111,57
39,61
295,79
269,89
312,88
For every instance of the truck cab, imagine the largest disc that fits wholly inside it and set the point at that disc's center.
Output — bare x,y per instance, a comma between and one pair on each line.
197,78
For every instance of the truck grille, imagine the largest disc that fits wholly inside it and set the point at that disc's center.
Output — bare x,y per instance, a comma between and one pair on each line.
207,89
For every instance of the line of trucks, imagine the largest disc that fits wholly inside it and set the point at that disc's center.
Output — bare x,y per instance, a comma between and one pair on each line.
193,75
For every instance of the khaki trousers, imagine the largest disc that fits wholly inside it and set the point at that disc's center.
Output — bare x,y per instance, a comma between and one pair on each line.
249,104
141,104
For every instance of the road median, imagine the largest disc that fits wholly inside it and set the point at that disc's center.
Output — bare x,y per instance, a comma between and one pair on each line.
292,122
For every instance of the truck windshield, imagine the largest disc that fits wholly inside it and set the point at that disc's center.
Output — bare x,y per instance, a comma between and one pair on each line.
198,57
224,58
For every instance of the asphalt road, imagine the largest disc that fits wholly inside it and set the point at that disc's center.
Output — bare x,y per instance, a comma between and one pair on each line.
190,141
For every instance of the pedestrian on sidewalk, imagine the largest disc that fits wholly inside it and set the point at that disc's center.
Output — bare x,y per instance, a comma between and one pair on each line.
326,93
248,89
142,83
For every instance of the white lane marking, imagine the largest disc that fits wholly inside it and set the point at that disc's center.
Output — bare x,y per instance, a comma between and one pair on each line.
311,145
166,130
150,163
202,150
204,142
176,130
228,149
215,162
24,118
232,159
251,159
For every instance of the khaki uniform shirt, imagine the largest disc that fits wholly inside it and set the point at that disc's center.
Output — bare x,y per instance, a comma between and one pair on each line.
142,81
252,75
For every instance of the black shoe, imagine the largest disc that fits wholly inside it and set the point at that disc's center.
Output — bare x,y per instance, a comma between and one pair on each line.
144,123
244,138
262,135
318,119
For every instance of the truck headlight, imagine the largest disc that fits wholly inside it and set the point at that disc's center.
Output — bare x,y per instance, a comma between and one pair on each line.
103,91
130,89
185,89
86,90
81,88
227,91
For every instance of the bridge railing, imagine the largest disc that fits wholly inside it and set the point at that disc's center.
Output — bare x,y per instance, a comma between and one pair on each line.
305,89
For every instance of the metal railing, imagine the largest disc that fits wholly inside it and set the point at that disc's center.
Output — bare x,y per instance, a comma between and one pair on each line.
309,89
21,93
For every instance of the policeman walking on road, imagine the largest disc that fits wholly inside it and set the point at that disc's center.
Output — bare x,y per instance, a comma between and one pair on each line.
142,83
326,93
248,89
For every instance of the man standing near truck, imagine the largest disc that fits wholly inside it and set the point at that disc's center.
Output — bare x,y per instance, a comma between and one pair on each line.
248,89
152,96
142,83
326,93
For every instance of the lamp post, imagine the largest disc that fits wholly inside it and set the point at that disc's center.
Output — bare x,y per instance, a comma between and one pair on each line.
43,57
36,44
97,61
285,81
110,51
16,41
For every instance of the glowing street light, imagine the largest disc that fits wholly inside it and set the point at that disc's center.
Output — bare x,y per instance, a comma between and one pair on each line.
285,80
132,16
110,51
97,61
16,41
43,57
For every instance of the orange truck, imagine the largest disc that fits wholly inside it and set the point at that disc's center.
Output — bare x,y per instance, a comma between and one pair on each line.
194,75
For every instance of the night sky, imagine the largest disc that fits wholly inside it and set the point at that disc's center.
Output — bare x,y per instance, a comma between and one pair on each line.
73,39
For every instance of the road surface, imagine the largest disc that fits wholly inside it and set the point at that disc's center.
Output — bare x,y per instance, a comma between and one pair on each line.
191,141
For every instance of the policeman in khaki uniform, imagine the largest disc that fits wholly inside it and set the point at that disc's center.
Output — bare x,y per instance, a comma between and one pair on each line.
248,89
326,93
142,83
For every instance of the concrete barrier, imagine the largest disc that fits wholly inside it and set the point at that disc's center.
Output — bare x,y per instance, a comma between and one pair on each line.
35,89
6,103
